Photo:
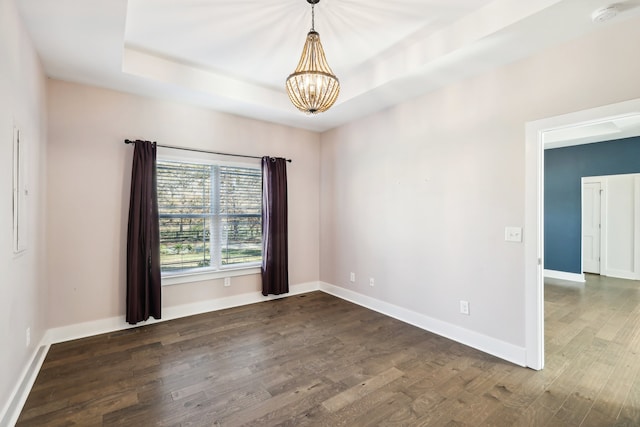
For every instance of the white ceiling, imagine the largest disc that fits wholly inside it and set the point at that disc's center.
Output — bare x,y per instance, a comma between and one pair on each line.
234,55
606,129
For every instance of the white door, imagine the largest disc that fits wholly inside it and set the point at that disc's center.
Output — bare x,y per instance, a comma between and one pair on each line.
591,227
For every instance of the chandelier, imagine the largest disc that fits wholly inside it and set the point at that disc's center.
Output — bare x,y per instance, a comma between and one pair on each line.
312,87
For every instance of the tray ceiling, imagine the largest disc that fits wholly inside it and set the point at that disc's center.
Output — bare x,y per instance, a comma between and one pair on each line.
234,55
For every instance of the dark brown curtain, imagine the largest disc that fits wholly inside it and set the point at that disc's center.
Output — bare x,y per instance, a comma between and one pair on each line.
143,237
275,252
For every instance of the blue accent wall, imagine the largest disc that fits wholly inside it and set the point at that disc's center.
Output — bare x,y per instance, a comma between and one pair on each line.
563,170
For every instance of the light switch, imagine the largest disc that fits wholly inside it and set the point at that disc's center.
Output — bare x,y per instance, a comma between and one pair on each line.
513,234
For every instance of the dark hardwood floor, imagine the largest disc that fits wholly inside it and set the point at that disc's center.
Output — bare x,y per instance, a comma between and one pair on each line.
317,360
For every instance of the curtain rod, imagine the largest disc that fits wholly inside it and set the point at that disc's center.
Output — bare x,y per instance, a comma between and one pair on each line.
128,141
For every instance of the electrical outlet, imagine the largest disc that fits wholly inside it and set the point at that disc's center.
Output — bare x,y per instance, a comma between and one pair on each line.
227,281
352,277
464,307
28,340
371,281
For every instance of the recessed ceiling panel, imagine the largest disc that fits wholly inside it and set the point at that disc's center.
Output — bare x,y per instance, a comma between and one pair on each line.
260,41
235,55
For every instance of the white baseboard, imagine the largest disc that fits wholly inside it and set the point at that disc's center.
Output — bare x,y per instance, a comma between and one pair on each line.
498,348
621,274
112,324
481,342
13,407
563,275
473,339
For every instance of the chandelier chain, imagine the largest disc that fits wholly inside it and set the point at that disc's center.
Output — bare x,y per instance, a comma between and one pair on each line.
313,17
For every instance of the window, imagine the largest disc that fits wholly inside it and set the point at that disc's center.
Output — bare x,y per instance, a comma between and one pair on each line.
210,216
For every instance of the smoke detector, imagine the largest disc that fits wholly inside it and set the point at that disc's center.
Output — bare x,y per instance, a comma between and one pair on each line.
604,14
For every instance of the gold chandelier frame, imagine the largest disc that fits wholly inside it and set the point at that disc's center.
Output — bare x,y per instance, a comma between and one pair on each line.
312,87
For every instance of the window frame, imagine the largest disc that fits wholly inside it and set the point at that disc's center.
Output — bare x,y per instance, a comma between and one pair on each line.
219,271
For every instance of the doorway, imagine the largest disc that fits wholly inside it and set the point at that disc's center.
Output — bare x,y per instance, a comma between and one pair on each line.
534,211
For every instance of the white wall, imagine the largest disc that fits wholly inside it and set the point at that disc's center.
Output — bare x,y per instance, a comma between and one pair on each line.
23,290
418,196
89,170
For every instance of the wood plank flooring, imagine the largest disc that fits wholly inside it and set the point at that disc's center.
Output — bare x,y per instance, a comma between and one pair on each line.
315,360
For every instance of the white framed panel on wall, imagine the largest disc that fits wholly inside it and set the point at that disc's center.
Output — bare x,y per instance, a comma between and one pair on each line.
621,235
20,192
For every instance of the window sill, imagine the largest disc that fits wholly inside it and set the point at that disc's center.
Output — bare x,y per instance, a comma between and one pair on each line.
176,279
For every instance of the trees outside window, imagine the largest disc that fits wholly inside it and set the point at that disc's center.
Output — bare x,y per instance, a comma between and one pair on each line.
210,216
